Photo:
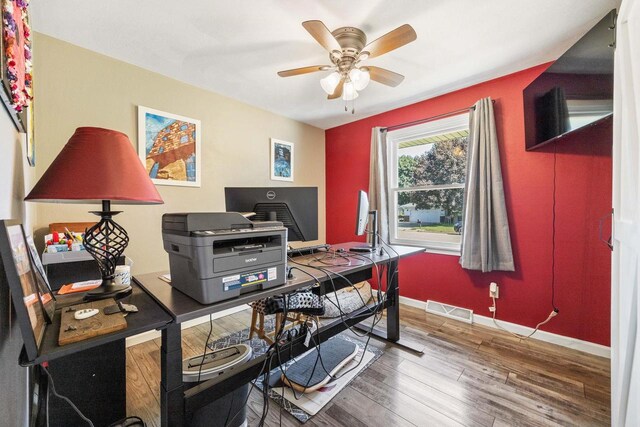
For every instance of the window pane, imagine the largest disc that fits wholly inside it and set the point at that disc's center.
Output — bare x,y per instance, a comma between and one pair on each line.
430,216
436,160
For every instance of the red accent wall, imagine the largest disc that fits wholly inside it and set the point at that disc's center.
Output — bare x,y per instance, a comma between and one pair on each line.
583,196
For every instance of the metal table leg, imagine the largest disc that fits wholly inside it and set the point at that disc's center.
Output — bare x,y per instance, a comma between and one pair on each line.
171,388
392,334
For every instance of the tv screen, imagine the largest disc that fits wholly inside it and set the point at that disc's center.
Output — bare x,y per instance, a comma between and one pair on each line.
575,91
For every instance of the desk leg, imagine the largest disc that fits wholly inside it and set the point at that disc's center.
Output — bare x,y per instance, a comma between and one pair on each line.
393,312
392,334
171,389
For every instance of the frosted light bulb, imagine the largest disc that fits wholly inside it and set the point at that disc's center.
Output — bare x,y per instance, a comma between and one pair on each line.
330,82
349,92
360,78
355,74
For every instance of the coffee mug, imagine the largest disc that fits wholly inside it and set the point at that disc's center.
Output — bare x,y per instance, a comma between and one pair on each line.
122,275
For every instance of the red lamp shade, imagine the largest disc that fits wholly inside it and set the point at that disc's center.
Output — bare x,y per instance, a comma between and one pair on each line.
96,164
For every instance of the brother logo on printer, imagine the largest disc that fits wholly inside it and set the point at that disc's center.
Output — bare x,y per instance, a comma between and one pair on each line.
250,259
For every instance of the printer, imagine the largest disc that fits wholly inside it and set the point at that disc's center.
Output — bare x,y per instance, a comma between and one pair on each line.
220,255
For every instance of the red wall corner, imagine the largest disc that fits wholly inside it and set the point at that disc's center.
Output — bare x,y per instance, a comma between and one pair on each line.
583,196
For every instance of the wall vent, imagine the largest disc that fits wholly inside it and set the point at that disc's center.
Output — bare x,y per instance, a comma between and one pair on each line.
450,311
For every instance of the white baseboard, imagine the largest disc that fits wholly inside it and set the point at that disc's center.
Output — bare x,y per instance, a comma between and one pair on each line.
573,343
413,302
151,335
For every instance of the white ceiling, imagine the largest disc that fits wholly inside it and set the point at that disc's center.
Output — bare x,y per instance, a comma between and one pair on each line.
235,47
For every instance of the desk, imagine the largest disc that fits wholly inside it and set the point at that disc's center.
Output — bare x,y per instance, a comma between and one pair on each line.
93,370
178,404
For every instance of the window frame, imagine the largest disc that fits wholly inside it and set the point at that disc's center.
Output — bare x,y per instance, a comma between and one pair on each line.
394,139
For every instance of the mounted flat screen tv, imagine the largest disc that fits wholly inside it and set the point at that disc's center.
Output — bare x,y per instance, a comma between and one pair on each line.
576,91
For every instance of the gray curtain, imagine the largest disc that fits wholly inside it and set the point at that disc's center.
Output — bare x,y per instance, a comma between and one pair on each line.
486,243
378,180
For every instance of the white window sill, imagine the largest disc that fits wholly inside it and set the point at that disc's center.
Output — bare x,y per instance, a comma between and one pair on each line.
429,248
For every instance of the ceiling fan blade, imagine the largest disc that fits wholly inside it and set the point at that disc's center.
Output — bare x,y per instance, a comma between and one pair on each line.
384,76
391,41
321,33
303,70
337,93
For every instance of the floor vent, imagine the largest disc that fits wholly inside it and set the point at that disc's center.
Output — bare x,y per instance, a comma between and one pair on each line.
451,311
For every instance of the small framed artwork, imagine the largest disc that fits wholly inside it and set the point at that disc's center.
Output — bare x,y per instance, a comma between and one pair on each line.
169,147
282,160
28,298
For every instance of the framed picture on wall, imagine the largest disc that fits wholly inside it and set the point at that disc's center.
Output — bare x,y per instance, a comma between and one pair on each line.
169,147
15,61
282,160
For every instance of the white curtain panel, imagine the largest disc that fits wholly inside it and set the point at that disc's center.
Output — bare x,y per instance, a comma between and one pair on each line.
378,181
625,274
486,242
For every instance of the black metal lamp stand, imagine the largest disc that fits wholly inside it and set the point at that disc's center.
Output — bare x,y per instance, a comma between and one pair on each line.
106,241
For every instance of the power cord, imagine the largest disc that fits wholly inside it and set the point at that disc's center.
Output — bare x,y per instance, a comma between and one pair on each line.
276,348
65,398
206,346
378,308
494,308
553,234
555,310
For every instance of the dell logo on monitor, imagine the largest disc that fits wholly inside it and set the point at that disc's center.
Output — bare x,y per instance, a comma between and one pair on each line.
271,194
251,260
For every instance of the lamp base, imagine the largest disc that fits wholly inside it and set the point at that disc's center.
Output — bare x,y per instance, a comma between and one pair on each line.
108,289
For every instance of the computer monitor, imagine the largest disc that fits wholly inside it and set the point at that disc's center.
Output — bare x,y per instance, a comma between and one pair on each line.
362,213
362,219
295,207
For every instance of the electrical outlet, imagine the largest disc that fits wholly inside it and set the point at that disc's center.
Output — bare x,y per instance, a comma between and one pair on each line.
494,290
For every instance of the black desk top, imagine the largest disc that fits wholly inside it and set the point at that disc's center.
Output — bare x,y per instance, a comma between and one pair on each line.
183,308
150,316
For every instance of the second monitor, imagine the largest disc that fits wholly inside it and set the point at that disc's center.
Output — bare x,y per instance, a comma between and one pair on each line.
295,207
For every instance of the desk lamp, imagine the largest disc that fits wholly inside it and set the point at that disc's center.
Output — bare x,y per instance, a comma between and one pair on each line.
99,166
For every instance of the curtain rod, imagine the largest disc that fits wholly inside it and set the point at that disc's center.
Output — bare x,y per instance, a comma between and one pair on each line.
429,119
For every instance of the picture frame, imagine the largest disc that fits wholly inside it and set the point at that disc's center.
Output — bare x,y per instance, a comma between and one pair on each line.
15,71
46,294
30,132
169,147
25,292
282,160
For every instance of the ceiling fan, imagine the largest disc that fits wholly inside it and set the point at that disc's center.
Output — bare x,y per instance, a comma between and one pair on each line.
347,48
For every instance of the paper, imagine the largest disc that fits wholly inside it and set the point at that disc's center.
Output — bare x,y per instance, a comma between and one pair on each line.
86,284
79,287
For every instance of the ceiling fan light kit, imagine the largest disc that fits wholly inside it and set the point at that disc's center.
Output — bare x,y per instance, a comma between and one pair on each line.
347,47
330,82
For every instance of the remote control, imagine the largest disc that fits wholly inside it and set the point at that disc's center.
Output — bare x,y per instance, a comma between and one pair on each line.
85,313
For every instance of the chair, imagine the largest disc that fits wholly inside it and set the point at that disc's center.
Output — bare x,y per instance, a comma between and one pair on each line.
258,323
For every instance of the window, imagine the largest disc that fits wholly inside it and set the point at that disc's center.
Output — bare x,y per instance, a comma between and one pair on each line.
427,172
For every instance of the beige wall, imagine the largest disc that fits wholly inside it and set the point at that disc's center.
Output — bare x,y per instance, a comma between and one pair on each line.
16,177
77,87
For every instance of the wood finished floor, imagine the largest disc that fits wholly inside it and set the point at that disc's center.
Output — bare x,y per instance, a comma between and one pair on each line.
469,375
